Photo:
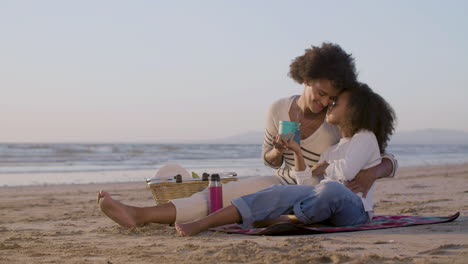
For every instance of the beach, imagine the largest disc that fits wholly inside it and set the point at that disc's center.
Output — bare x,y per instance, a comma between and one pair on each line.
63,224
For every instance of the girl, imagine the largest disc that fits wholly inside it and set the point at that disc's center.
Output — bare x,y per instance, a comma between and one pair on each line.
365,121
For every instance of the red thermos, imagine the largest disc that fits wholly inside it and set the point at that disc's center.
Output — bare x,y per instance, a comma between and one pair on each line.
215,189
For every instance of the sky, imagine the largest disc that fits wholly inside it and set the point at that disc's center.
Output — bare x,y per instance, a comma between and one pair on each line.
173,71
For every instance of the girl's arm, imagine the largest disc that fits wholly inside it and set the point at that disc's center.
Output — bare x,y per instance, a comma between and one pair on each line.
302,172
299,162
311,176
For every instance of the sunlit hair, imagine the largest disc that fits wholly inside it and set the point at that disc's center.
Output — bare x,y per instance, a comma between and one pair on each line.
368,110
328,61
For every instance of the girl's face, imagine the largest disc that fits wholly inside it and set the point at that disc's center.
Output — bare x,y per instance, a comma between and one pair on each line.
337,113
319,94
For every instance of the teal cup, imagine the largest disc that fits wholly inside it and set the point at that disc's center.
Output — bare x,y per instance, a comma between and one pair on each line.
286,127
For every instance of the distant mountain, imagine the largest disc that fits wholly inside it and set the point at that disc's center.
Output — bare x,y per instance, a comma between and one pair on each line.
250,137
423,136
430,136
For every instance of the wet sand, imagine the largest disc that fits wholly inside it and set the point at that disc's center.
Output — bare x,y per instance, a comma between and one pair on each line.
62,224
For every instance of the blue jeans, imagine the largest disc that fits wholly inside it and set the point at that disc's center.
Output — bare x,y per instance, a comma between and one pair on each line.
328,201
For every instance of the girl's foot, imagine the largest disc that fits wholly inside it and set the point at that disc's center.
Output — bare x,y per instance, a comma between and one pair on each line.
122,214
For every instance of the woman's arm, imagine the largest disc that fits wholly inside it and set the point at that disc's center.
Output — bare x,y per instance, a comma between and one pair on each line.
365,178
273,158
272,154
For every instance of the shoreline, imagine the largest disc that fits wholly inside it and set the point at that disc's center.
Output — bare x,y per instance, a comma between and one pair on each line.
147,173
62,224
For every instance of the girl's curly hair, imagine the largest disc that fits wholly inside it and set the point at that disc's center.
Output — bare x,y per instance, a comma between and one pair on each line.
328,61
368,110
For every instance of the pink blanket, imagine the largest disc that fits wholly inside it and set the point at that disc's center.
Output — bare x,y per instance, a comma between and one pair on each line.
378,222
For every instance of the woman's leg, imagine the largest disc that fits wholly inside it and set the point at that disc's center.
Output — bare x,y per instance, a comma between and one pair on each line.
179,210
131,216
334,203
196,206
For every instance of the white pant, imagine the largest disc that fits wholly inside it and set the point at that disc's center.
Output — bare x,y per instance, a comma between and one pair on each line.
196,206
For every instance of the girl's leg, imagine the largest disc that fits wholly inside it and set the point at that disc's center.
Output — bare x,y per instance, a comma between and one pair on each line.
330,201
269,203
334,203
227,215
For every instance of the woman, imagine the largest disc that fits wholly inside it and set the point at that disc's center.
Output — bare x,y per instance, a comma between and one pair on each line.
365,121
324,71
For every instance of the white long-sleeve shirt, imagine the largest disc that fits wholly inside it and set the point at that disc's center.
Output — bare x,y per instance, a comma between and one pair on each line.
345,160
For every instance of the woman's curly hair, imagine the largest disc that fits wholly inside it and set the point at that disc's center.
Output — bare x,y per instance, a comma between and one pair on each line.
329,62
368,110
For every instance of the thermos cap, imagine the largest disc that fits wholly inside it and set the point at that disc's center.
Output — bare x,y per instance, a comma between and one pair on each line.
215,177
178,178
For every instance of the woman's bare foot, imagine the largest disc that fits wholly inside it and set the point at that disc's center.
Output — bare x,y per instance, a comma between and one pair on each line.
122,214
190,228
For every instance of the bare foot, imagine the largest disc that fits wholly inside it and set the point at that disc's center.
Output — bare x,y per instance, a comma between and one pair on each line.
189,229
122,214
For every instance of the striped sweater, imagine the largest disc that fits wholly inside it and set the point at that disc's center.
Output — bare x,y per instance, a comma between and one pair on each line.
325,136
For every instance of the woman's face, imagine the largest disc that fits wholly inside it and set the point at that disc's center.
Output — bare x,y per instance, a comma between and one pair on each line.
337,113
319,94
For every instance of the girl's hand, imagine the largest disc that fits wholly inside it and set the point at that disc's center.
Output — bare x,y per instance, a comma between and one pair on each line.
319,168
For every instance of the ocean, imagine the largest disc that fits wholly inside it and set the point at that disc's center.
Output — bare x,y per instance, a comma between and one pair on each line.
39,164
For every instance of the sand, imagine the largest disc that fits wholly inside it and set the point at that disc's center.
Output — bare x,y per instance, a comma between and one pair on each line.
62,224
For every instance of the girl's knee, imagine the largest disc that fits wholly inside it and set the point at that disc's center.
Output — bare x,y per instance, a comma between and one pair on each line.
331,189
330,186
290,190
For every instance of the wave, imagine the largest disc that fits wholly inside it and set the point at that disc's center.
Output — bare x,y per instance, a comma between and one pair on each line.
38,158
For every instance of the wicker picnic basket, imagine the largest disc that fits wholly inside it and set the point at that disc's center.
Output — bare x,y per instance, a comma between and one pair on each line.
163,192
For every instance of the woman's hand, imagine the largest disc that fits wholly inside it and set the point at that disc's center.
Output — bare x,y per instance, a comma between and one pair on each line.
283,144
362,182
365,178
275,156
278,143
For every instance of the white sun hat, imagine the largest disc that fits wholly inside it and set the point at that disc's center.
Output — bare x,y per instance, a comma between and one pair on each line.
171,170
